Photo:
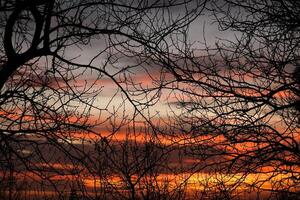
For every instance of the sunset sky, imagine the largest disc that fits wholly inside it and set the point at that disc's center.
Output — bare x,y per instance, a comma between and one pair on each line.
198,112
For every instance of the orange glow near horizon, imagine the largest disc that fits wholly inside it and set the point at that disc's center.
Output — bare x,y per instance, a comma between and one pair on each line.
200,181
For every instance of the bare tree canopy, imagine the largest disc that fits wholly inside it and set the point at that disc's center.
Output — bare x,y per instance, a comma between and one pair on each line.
118,99
50,88
241,98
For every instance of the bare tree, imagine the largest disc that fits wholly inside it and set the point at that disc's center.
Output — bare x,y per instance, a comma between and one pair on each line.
45,97
239,101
